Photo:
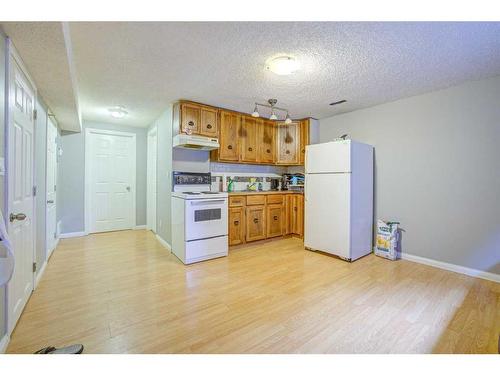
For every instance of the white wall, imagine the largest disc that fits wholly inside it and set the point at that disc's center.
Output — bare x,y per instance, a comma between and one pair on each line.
437,170
164,177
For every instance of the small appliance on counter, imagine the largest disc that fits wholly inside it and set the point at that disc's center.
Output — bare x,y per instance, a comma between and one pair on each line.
294,181
275,184
199,218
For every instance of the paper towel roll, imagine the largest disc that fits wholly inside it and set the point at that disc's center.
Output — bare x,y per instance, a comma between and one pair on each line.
6,262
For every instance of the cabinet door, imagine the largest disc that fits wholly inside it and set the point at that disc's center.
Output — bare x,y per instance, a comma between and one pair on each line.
267,141
288,209
274,220
208,125
236,226
190,118
228,136
288,143
248,139
298,215
304,140
255,223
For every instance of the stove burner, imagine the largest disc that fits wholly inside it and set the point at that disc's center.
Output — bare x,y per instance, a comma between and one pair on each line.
209,192
191,193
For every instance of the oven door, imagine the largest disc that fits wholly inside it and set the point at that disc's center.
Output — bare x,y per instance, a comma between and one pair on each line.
206,218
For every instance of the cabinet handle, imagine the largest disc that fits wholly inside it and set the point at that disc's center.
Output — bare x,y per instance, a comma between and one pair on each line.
209,126
255,220
250,149
236,222
295,208
268,151
190,123
287,152
303,151
276,218
230,147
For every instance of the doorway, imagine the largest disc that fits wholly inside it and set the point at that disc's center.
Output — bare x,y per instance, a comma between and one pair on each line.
110,180
51,201
20,184
151,178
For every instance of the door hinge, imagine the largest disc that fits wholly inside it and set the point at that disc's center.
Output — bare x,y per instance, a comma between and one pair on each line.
34,191
55,236
35,114
34,266
55,187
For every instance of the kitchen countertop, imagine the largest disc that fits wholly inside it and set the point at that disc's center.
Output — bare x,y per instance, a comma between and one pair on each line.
265,192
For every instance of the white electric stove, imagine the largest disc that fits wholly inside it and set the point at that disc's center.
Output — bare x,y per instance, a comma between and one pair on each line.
199,218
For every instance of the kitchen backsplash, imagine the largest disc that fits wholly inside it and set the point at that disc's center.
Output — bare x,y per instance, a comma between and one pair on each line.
246,168
242,173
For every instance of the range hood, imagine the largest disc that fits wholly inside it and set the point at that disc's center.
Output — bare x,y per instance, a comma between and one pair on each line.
195,142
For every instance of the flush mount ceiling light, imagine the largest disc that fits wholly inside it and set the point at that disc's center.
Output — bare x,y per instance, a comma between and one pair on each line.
118,111
283,65
272,106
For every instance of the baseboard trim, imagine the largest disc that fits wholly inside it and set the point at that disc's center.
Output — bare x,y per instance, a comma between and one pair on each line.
452,267
40,274
164,243
72,234
139,227
4,342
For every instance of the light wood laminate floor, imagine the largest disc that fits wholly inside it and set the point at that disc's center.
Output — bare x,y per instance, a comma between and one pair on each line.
123,292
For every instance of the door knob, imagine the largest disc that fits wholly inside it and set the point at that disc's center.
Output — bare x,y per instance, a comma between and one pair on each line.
128,188
50,201
19,217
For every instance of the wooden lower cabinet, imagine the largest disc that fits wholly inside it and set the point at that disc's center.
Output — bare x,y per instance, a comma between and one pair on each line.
274,220
256,223
259,216
236,226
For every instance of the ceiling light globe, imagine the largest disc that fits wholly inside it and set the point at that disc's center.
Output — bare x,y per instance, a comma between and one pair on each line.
283,65
118,112
288,120
273,117
255,112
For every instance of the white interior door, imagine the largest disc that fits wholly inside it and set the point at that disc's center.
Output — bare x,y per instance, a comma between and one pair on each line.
51,224
110,167
327,213
151,176
20,202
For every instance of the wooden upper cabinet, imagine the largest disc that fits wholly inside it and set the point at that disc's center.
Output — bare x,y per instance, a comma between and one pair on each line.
208,124
248,139
190,118
267,142
304,140
228,136
288,143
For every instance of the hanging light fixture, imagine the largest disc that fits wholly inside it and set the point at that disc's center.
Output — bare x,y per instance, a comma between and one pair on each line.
272,106
255,112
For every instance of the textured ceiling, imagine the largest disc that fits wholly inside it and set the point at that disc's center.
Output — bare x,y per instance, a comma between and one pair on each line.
46,51
145,66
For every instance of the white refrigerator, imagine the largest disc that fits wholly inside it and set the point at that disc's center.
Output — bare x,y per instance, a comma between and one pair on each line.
339,198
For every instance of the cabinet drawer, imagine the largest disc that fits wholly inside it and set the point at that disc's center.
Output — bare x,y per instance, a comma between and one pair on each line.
236,201
253,200
275,199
